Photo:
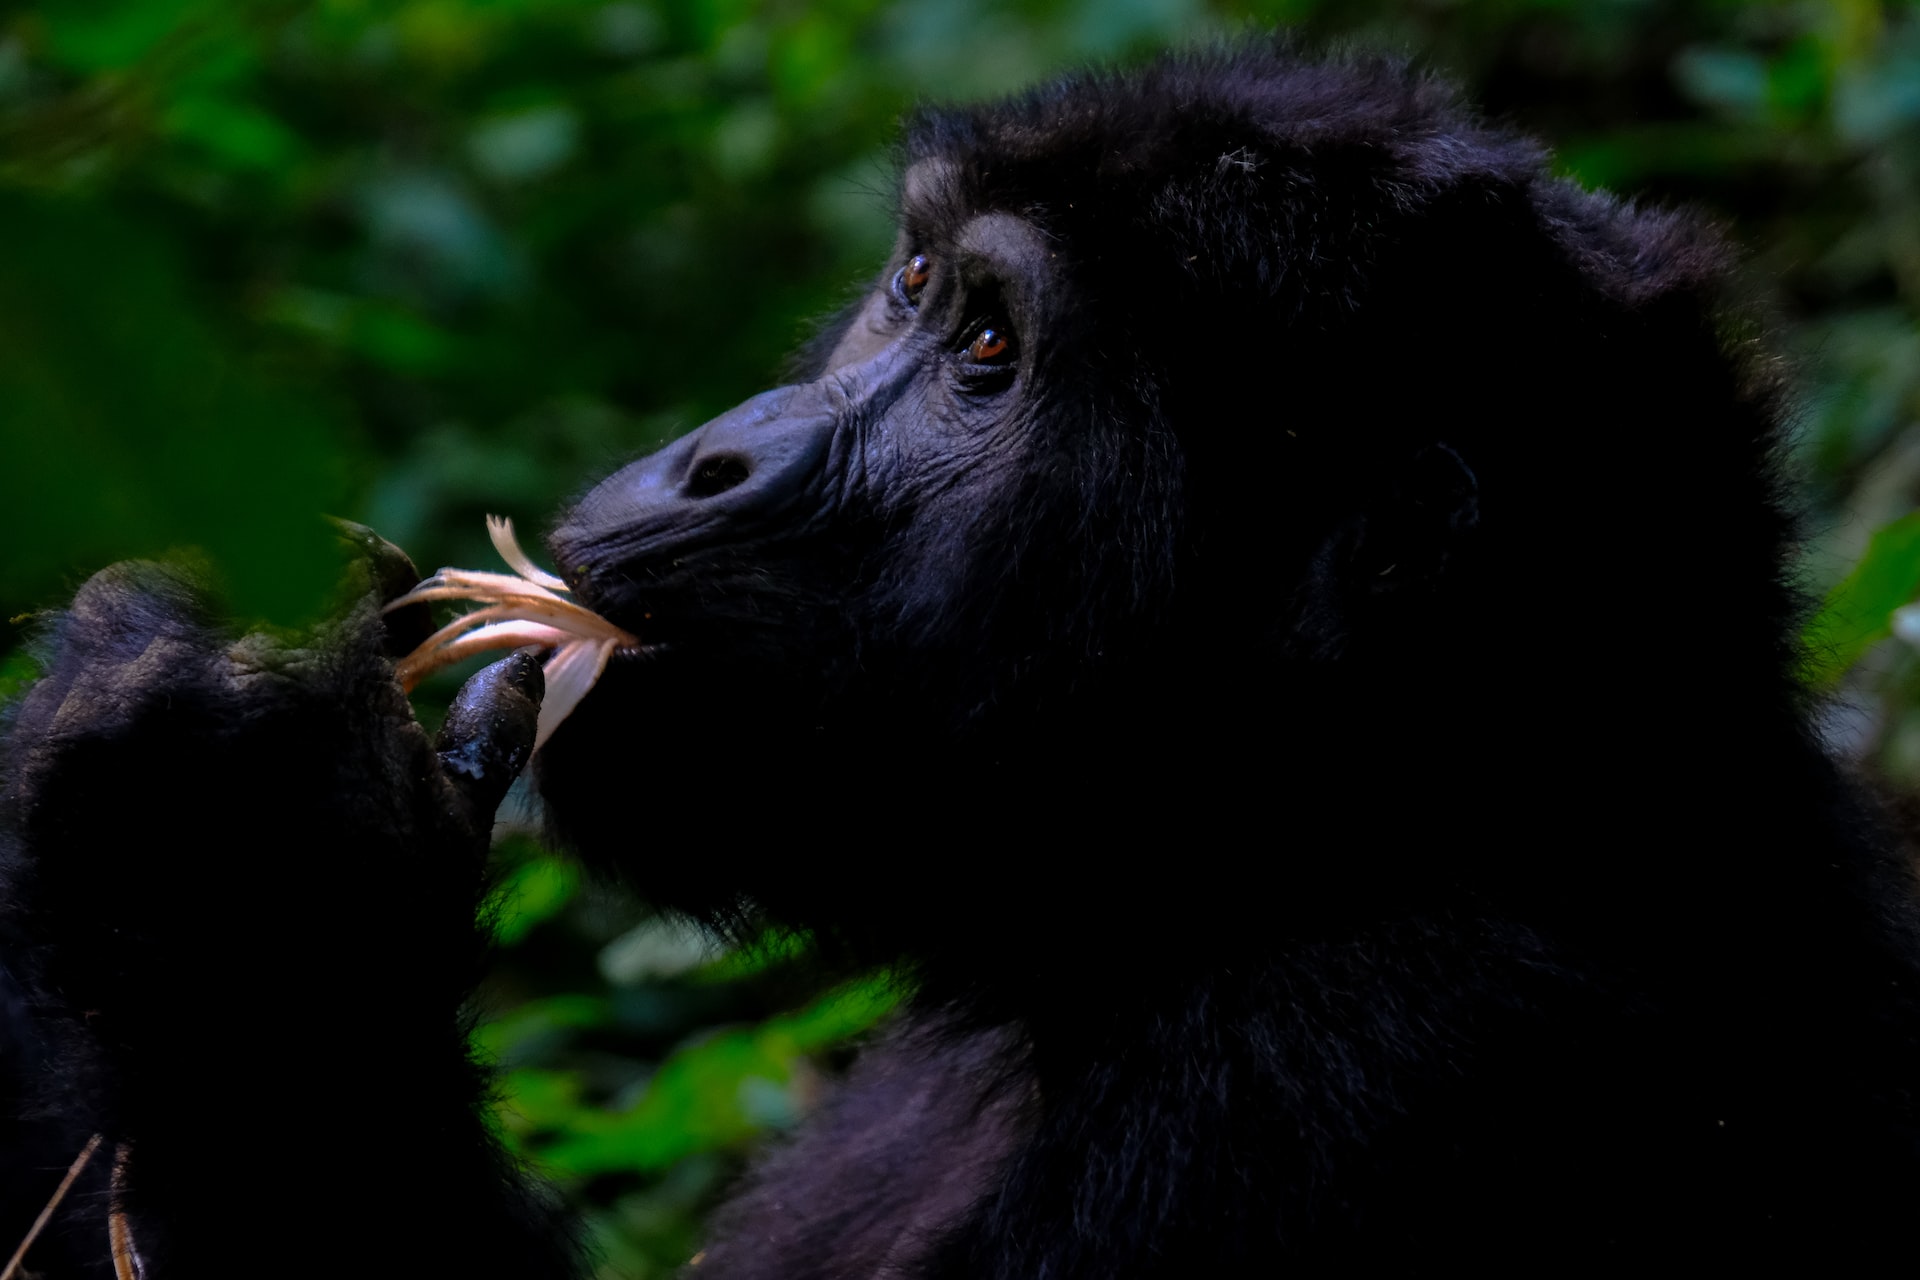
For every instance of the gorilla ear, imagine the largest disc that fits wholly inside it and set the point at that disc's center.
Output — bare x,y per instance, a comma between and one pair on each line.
1419,521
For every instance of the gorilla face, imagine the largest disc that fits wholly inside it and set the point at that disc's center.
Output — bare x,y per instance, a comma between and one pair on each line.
919,416
819,536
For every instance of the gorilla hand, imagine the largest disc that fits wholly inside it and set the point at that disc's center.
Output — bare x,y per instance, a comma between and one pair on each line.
224,860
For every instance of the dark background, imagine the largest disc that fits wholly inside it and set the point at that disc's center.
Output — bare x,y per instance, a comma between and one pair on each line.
415,262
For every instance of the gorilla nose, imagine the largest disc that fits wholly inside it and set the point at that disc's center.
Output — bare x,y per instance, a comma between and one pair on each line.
752,462
748,440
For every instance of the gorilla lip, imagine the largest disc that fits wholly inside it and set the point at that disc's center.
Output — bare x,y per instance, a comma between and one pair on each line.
518,609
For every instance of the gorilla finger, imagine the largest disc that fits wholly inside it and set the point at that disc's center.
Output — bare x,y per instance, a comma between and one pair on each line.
135,630
390,574
119,612
488,733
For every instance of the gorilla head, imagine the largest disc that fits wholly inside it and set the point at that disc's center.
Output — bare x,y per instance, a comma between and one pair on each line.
1234,456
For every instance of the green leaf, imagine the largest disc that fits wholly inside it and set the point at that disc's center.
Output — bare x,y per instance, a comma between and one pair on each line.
94,35
521,1032
1856,613
722,1090
845,1011
771,949
238,135
538,1099
535,891
17,671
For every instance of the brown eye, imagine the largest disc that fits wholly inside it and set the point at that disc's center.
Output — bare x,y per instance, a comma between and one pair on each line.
991,346
912,279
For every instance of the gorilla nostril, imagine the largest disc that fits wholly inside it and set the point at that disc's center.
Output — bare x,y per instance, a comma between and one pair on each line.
716,475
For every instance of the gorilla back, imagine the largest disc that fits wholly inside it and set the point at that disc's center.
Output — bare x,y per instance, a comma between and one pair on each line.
1282,600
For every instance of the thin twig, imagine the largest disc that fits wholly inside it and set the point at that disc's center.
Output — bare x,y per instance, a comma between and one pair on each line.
46,1214
126,1258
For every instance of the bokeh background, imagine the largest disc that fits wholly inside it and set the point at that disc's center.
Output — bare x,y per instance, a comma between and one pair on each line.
417,261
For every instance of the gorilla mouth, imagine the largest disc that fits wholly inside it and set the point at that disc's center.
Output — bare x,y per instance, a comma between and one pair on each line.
526,608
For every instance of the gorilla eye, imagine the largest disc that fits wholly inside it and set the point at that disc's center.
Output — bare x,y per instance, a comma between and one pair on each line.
991,346
912,280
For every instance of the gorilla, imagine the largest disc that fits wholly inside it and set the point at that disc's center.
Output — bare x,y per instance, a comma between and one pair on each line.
1272,609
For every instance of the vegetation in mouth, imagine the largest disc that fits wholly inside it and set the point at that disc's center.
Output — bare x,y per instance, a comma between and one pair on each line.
526,607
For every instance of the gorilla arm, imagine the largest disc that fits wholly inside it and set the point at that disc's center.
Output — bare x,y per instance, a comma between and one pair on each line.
221,861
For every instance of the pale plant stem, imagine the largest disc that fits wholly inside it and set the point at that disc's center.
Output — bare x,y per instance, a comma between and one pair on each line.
46,1215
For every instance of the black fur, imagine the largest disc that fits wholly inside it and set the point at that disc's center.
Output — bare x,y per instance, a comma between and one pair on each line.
1319,719
176,806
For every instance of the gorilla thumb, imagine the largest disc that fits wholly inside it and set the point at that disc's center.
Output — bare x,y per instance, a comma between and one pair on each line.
488,734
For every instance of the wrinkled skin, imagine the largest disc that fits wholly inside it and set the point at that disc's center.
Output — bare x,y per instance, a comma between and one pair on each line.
1239,610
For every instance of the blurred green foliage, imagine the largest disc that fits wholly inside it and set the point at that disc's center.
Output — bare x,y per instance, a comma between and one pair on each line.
1858,612
416,261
